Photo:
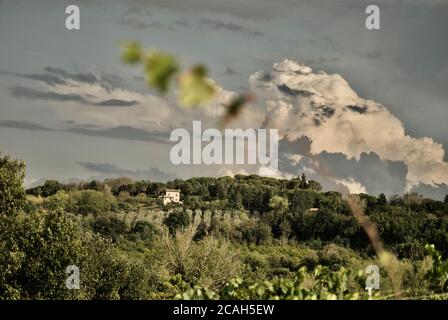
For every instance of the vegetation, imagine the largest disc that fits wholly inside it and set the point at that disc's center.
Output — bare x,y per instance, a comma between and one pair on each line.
242,237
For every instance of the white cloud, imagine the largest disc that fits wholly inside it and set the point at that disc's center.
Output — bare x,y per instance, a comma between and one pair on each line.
294,158
323,107
352,185
231,173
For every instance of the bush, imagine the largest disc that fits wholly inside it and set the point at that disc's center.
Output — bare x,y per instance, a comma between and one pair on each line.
256,232
209,262
91,202
144,230
176,220
110,226
12,195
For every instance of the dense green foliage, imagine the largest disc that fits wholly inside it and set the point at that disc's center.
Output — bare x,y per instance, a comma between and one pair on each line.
246,237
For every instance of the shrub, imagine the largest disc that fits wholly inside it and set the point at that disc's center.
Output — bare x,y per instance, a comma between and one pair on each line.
176,220
91,202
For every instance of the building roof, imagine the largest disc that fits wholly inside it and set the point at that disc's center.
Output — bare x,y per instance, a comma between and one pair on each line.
172,190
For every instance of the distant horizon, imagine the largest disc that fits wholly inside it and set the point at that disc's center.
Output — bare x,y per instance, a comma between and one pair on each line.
40,183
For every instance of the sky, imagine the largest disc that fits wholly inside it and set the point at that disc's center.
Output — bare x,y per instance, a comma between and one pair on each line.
374,121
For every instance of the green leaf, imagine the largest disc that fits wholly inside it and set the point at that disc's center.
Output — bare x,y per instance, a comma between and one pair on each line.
194,88
132,52
159,69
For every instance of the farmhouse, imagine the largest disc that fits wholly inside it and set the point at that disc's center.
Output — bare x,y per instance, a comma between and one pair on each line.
171,195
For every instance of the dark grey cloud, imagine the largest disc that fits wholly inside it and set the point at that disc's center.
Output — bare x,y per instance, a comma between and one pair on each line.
135,22
266,76
265,10
109,170
294,92
120,132
58,76
230,26
320,61
107,81
374,55
140,22
47,78
437,192
252,9
33,94
81,77
123,132
25,125
326,111
306,164
376,175
359,109
230,72
116,103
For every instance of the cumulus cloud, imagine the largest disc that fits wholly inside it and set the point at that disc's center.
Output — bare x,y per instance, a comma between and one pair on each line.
228,172
324,108
353,186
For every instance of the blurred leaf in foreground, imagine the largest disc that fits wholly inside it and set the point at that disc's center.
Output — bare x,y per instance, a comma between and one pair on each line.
159,69
194,87
132,52
234,108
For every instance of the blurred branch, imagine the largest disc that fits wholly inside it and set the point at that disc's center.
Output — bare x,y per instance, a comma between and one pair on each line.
194,88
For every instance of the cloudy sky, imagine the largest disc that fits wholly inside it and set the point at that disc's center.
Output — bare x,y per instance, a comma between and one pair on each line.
358,110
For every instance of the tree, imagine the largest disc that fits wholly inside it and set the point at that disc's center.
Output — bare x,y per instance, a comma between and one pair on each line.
50,188
139,187
12,194
110,226
314,185
303,183
91,202
154,188
144,230
279,204
412,199
38,248
382,200
257,233
177,220
95,185
209,262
